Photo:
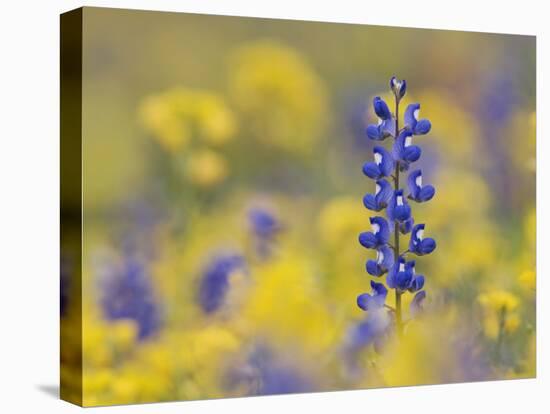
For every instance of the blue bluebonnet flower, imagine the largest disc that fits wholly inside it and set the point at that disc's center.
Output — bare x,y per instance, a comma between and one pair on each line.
383,262
265,226
376,299
419,245
418,192
127,293
404,152
214,282
382,166
398,208
413,124
403,276
386,124
416,306
398,87
381,197
379,236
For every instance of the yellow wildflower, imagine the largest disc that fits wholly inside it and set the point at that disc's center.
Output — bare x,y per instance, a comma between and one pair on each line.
283,99
206,168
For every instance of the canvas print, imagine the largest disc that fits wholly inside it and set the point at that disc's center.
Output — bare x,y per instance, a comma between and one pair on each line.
260,206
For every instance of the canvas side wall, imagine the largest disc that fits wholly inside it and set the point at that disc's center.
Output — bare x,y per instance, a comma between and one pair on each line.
71,207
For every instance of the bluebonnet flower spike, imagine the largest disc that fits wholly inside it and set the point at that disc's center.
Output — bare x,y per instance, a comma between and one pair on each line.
379,236
382,166
386,124
401,274
413,124
380,198
418,192
374,300
418,245
383,262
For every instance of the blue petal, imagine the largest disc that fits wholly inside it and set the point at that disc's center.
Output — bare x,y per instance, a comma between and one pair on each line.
363,301
411,153
388,260
368,240
414,243
383,234
427,246
403,89
390,279
387,128
385,194
417,228
403,280
381,108
400,212
369,201
399,145
371,170
410,120
373,268
373,132
416,304
413,187
417,283
426,193
406,226
387,163
422,127
392,274
378,288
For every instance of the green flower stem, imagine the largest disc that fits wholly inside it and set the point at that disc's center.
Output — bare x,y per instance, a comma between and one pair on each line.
398,315
500,334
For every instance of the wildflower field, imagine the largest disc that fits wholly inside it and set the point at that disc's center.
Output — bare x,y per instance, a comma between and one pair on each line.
278,206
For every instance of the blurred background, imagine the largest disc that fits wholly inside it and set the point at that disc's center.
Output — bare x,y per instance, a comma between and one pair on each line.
222,197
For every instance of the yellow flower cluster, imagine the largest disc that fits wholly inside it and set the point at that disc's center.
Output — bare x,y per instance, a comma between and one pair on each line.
281,97
500,312
175,117
191,124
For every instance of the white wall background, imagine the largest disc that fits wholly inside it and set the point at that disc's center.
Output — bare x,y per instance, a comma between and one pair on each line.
29,192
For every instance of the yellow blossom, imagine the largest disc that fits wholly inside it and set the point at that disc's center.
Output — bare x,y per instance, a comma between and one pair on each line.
280,94
498,300
206,168
179,115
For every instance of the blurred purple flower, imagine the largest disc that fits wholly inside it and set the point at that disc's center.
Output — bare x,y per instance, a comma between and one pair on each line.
127,293
214,282
264,226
